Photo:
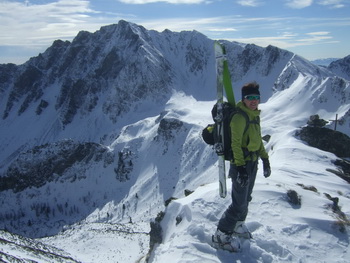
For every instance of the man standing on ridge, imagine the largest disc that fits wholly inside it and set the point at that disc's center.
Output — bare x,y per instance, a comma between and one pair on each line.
247,147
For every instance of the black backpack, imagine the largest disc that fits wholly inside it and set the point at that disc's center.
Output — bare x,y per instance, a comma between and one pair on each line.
209,133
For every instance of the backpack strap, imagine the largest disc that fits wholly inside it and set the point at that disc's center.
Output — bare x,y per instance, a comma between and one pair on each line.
248,122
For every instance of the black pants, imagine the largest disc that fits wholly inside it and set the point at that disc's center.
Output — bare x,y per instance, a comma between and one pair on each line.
241,196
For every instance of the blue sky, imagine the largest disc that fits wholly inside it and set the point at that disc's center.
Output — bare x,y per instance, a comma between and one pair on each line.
310,28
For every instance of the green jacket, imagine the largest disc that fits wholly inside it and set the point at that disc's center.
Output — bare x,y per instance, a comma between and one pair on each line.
250,141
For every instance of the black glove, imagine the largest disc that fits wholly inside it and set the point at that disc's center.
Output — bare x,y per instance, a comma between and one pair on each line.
242,177
266,167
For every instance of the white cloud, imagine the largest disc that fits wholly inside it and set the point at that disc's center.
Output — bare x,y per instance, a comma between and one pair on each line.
332,3
321,33
252,3
315,37
298,4
287,40
140,2
42,22
224,29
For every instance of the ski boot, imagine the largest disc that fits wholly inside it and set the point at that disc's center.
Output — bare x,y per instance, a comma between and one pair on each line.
226,241
241,230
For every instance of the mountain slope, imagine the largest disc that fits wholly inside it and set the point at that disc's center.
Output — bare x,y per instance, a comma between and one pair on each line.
130,153
18,249
282,231
341,67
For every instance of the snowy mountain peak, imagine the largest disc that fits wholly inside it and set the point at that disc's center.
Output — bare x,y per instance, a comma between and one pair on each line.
114,123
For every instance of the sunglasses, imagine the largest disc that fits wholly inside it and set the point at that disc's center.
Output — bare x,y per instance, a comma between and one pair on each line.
252,97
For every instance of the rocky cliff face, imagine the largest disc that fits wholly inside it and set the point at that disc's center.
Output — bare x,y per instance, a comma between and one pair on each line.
57,162
115,60
341,67
326,140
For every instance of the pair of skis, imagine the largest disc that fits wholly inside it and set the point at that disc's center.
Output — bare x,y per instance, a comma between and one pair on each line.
223,82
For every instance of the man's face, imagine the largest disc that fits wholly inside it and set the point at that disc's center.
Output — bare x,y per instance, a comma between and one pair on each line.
252,101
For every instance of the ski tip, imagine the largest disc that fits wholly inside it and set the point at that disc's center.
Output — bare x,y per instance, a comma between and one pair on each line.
223,194
222,189
222,47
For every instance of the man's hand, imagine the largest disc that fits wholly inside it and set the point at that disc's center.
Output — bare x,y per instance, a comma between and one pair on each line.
266,167
242,177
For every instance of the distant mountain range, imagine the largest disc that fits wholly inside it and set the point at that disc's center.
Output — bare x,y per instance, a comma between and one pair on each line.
324,61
